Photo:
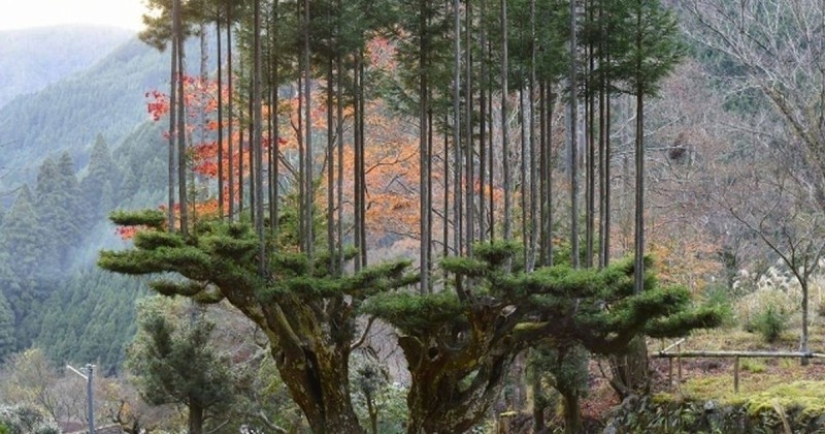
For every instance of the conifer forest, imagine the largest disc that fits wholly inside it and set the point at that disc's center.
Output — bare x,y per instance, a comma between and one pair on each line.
416,216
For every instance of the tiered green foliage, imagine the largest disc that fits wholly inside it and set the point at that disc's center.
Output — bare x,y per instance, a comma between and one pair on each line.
307,311
460,343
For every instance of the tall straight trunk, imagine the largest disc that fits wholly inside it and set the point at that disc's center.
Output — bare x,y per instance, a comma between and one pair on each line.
607,190
339,128
505,137
545,237
181,129
219,47
250,154
362,137
523,177
274,137
308,177
482,130
591,146
173,101
604,157
241,163
230,114
357,159
574,160
491,155
257,100
639,238
425,204
470,182
445,218
330,167
458,229
535,180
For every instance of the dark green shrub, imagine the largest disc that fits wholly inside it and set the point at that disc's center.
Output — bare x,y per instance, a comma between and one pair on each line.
770,323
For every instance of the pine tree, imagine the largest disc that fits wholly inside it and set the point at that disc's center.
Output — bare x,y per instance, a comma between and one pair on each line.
8,342
174,361
55,203
100,172
30,269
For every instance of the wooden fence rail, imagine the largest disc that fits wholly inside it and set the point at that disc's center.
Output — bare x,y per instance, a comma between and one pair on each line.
735,355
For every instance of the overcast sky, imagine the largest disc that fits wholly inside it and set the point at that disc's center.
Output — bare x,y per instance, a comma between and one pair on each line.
22,14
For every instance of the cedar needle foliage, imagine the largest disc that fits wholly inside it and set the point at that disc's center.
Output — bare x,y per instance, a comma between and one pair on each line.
459,341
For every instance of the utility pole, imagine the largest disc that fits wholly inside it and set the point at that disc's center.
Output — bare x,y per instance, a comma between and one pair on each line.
89,369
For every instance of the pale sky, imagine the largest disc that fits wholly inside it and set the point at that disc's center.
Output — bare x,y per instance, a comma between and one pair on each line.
20,14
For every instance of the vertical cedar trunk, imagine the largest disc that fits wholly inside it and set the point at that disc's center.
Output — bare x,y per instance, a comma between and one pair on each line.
491,154
275,139
181,130
458,229
639,239
173,100
339,132
470,183
535,180
604,159
257,101
330,168
574,176
591,147
308,160
219,46
358,154
445,218
523,178
544,239
607,190
195,419
241,129
250,154
230,115
423,148
362,172
482,133
505,139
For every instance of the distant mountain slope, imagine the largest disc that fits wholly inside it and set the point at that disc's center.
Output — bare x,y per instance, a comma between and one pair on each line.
31,59
107,99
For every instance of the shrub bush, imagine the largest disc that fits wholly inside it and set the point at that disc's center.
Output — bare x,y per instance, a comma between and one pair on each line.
770,323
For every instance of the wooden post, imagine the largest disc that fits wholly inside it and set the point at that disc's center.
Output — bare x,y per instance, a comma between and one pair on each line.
679,364
736,374
670,371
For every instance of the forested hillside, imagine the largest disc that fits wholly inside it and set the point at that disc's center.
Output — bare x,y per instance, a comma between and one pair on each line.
107,99
425,217
32,59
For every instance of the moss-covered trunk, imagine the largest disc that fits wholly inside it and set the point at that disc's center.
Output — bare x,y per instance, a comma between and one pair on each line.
450,391
313,362
320,388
